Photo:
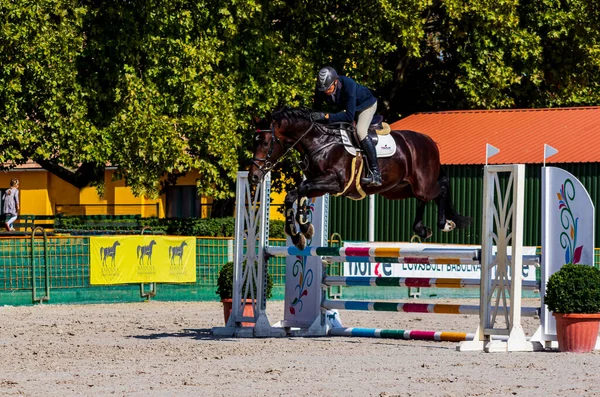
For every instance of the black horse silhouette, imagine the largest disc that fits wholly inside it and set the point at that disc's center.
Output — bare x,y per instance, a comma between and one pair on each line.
413,170
145,250
109,252
176,251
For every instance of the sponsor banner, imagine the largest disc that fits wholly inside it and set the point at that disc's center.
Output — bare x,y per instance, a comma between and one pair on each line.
142,259
428,270
568,230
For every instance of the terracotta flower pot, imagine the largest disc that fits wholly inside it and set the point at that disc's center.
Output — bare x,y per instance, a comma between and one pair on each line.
248,310
577,333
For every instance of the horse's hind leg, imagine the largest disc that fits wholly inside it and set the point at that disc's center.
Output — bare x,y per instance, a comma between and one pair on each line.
290,224
418,227
444,223
306,227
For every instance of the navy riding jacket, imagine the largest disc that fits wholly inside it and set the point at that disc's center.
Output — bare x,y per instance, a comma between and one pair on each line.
349,96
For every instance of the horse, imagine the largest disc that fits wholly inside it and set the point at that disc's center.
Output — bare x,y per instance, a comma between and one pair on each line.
176,251
413,170
109,252
145,250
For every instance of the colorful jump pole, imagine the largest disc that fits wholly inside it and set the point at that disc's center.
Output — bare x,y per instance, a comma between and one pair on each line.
407,334
414,282
438,308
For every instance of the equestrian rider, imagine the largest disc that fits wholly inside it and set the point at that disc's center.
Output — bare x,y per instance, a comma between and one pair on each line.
357,103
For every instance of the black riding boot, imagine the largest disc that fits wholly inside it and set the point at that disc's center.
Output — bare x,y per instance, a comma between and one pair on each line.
374,179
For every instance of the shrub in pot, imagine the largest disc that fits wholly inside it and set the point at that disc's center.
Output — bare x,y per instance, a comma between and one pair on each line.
573,296
225,291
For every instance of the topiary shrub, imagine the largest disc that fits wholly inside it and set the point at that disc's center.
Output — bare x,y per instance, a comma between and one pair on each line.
225,282
575,288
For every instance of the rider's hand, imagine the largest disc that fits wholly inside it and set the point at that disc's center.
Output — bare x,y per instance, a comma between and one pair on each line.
317,116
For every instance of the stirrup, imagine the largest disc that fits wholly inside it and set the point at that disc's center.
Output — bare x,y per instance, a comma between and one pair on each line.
374,179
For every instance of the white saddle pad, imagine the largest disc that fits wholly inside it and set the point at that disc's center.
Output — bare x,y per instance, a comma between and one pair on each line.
386,147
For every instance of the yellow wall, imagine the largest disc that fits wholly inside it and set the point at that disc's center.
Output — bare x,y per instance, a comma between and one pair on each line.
276,204
41,192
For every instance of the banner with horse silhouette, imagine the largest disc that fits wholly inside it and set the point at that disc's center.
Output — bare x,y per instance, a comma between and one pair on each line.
142,259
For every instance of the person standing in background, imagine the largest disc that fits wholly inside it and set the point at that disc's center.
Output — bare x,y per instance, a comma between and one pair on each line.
11,203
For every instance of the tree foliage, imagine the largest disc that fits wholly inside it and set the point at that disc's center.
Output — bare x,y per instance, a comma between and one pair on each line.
158,88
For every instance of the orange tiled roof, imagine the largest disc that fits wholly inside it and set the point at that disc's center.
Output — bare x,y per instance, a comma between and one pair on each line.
520,134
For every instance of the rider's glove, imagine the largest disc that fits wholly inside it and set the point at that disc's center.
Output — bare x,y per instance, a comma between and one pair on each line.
317,116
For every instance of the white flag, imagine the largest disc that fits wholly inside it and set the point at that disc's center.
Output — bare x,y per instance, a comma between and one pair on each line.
490,151
549,151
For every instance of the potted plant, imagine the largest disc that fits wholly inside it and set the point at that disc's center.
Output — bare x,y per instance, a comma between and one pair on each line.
225,291
573,297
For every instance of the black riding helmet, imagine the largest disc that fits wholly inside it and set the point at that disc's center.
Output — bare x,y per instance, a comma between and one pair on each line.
326,77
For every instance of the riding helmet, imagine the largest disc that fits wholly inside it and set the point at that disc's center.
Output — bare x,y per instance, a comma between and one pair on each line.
326,77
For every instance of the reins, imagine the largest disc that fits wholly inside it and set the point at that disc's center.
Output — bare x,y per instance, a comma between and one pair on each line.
269,166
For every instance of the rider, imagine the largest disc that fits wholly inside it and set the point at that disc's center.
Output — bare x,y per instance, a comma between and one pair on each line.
356,102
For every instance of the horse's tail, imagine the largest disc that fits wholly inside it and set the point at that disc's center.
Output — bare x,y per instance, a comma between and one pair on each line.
139,251
171,252
102,254
451,214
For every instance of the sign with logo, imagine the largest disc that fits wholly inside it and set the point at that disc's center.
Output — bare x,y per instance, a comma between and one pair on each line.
428,270
567,227
142,259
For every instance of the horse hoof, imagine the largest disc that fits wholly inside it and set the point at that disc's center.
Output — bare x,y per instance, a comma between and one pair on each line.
301,243
450,225
309,232
428,234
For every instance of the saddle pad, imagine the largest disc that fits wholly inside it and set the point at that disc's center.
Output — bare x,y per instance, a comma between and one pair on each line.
386,147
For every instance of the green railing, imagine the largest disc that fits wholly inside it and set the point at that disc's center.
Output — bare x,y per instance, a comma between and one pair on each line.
68,264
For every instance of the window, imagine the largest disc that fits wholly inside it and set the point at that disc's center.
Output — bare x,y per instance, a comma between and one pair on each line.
183,202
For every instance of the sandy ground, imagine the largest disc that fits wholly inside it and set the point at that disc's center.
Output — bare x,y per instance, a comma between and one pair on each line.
166,349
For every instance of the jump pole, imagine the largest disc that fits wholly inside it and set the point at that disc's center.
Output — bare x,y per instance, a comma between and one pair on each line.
406,334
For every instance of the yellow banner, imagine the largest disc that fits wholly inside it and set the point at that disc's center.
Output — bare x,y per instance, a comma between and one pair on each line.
142,259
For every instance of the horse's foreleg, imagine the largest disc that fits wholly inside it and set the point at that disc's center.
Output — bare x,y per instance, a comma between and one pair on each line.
329,183
418,227
306,227
290,225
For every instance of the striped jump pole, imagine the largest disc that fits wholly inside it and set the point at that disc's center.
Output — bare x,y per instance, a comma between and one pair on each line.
445,256
424,282
528,260
417,260
417,255
439,308
407,334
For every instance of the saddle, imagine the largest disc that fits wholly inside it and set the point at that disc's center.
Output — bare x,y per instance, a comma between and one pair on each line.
378,131
376,128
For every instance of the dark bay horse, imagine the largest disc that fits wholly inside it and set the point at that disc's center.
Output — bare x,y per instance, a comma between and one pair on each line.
412,171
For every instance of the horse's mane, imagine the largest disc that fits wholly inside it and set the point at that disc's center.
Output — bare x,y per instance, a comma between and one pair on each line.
292,114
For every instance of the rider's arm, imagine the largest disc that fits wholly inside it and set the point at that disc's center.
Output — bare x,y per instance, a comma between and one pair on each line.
349,97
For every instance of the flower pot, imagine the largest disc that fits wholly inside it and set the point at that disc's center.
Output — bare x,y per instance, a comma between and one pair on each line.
577,333
248,310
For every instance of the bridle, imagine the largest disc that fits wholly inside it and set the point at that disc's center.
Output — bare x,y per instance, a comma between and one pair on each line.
267,165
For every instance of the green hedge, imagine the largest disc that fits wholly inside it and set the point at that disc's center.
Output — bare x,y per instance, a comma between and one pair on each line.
211,227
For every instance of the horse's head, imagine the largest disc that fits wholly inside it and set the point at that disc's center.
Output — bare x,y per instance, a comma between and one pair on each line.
267,150
273,135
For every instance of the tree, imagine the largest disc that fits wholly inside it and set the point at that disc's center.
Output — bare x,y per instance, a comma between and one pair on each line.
158,88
